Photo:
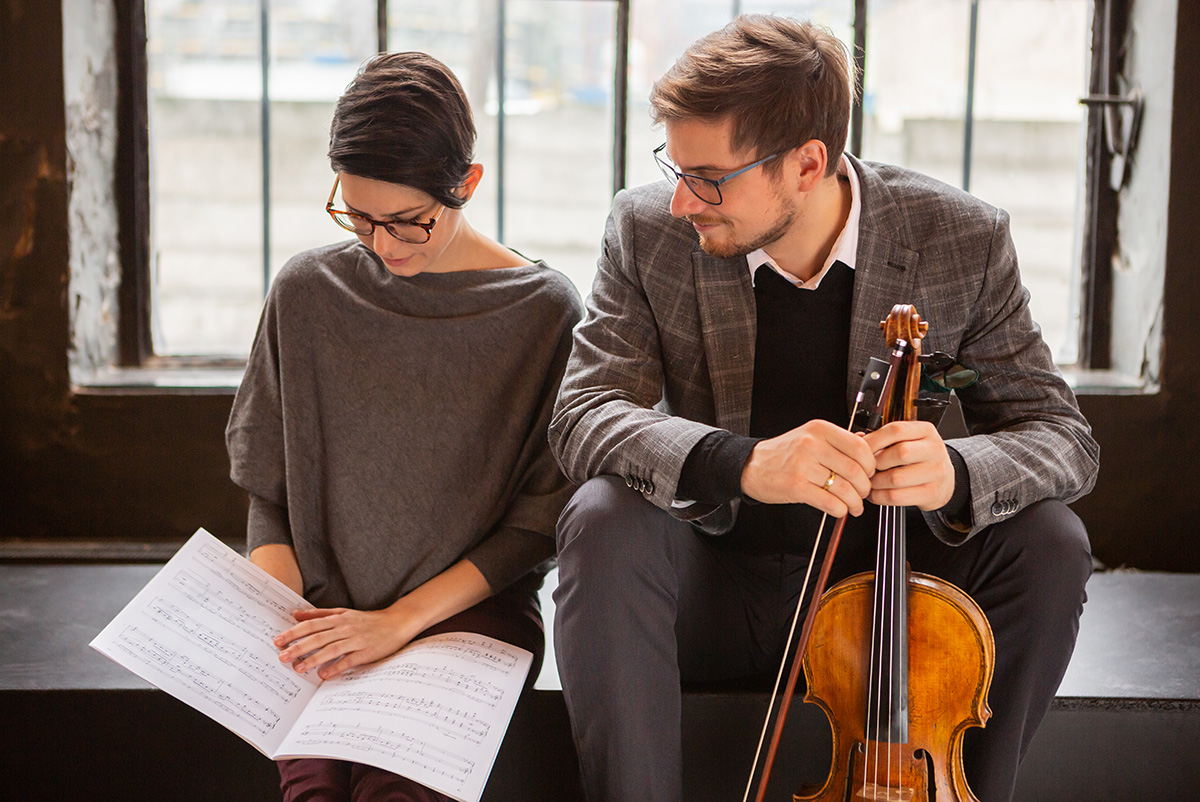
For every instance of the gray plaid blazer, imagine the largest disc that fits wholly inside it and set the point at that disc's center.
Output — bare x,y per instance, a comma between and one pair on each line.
666,352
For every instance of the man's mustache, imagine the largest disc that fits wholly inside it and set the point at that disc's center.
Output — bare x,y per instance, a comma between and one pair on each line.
703,221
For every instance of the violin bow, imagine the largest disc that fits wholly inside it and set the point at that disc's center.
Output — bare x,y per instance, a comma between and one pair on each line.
878,383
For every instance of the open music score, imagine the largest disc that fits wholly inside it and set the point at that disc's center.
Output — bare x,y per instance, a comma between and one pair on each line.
201,630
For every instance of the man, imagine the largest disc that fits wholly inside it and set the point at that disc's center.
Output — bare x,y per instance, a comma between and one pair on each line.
705,404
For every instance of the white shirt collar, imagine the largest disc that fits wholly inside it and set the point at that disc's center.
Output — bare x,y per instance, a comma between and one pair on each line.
845,248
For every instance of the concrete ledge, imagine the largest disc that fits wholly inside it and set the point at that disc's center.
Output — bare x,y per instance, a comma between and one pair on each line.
75,725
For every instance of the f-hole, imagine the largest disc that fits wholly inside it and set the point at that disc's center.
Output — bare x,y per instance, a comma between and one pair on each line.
930,779
860,748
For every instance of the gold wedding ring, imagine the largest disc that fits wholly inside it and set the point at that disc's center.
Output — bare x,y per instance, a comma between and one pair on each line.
829,482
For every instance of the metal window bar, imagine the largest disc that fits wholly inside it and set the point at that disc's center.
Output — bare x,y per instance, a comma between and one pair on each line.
501,111
859,56
132,175
969,112
1110,23
264,22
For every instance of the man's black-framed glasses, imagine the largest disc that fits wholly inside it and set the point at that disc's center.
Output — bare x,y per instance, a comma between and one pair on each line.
706,189
410,231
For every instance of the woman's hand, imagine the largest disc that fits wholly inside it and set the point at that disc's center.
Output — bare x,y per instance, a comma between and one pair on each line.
334,640
337,639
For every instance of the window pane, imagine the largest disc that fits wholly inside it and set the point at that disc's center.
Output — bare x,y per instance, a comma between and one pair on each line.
1030,128
1028,133
915,90
205,174
205,77
317,47
558,116
659,31
462,35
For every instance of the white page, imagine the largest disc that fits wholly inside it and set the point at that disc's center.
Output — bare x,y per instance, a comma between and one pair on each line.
201,630
435,712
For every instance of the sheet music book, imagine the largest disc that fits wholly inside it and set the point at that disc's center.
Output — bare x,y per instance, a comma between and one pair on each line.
201,630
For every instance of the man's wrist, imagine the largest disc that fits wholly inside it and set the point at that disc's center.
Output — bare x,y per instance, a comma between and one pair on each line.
712,472
957,511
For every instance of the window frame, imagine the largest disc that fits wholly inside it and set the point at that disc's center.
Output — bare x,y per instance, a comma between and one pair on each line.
135,343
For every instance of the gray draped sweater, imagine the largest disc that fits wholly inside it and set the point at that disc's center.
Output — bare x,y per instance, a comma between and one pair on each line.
388,427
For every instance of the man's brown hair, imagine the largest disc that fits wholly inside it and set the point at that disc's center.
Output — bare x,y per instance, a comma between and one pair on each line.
405,119
782,82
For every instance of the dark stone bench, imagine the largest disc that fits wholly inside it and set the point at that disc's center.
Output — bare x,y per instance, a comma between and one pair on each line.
1126,724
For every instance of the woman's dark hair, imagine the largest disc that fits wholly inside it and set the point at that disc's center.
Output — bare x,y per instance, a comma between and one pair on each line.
405,119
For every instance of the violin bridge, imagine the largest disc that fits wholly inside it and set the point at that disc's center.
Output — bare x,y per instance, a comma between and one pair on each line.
887,772
882,793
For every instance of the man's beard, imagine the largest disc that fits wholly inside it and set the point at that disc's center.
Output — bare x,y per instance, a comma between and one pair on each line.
726,250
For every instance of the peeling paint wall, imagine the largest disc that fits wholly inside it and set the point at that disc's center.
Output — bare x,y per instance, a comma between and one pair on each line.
90,92
1139,266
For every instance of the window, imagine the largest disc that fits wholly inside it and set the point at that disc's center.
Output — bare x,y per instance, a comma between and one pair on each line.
220,145
983,94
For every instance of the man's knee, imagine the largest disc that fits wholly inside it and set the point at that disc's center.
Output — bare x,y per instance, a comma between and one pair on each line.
1051,545
610,524
1050,529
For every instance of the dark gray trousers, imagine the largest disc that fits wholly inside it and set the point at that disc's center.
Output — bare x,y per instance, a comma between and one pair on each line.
644,601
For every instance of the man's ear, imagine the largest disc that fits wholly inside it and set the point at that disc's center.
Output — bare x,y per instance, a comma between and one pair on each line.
467,188
809,162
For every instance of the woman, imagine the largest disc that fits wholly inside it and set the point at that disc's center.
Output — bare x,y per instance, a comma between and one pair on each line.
391,425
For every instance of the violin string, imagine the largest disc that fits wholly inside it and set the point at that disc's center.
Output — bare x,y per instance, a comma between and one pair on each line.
893,551
872,713
782,663
881,579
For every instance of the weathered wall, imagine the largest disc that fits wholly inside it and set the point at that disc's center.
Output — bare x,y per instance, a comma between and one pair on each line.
152,466
76,467
90,96
1139,513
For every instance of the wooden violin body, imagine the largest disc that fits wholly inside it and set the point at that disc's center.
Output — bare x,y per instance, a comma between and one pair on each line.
951,654
900,662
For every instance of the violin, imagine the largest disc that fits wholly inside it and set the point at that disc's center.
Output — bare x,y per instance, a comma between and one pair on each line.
899,661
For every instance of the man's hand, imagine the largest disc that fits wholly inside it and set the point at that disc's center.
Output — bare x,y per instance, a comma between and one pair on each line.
337,639
912,466
796,467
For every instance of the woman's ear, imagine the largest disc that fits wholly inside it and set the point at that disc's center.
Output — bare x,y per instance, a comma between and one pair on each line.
467,188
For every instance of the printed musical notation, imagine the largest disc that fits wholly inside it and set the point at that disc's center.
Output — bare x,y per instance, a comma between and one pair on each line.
180,669
201,630
439,708
431,760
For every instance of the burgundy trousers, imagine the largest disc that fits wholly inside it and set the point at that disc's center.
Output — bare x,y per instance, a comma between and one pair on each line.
513,616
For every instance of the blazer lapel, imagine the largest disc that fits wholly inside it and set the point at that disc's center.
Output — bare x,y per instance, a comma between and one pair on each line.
884,275
728,322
